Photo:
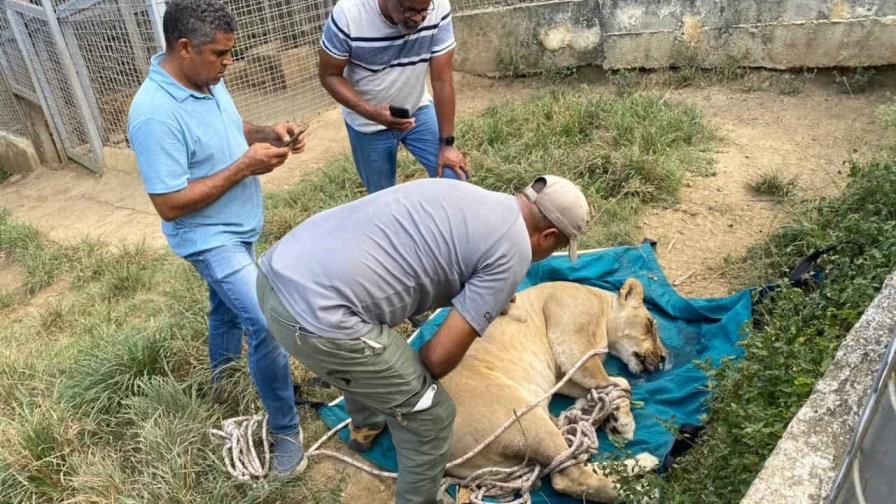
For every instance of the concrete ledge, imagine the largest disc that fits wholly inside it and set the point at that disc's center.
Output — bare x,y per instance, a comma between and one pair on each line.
17,154
120,159
618,34
804,465
813,44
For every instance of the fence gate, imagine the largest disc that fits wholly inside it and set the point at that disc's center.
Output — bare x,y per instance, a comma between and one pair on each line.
62,89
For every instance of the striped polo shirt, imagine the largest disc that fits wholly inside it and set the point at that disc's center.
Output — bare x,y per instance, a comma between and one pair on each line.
386,64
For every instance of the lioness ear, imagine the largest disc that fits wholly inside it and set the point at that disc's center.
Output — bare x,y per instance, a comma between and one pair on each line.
632,292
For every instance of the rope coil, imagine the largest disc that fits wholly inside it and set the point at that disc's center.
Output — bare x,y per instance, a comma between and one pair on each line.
513,485
577,425
239,453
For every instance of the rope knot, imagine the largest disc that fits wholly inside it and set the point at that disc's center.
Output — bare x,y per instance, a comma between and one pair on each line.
578,426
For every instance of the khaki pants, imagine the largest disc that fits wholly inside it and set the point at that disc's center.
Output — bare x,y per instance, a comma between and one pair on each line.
382,379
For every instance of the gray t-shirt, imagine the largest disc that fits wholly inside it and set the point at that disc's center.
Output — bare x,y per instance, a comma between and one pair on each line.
401,252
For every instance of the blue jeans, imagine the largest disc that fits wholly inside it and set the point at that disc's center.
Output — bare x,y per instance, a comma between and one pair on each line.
231,273
376,154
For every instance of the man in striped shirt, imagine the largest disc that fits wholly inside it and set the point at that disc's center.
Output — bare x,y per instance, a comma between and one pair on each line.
375,53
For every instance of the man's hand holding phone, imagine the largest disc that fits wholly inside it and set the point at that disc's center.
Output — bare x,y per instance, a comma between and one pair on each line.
290,135
386,115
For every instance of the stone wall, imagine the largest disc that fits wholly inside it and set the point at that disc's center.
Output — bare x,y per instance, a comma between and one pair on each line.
620,34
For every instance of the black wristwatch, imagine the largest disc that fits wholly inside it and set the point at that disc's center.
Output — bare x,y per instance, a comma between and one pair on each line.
447,141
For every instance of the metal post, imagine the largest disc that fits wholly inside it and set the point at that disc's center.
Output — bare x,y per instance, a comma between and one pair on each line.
77,89
156,13
74,50
130,23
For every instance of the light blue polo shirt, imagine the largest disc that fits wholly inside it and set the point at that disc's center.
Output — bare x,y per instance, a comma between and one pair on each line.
180,135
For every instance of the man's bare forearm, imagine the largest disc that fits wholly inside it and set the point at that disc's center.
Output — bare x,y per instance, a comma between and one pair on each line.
443,99
199,193
441,354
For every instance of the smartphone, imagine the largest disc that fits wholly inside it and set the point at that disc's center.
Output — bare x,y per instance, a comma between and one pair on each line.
399,112
292,141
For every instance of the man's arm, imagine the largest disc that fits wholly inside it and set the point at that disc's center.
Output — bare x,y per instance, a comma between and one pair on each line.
447,347
276,135
442,79
441,76
259,159
330,73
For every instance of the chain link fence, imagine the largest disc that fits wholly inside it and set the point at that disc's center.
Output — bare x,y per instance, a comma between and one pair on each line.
81,61
11,118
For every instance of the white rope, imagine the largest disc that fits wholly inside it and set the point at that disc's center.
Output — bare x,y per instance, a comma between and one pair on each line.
239,454
521,478
577,425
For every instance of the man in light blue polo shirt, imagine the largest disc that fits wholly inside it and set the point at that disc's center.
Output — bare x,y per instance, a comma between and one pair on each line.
200,164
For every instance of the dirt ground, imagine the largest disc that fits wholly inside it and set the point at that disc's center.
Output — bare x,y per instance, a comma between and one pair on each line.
808,136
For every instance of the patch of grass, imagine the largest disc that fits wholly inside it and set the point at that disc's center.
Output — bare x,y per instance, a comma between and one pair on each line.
41,262
4,175
639,146
789,84
779,82
887,114
35,466
624,152
108,371
8,299
510,64
772,182
560,73
854,81
625,82
796,334
690,67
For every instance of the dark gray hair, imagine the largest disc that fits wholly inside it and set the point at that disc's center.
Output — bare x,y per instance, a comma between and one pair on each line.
542,223
196,20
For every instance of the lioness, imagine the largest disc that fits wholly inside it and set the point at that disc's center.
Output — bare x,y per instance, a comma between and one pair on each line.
525,353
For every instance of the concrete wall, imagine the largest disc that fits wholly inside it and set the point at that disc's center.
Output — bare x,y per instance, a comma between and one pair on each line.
655,33
806,461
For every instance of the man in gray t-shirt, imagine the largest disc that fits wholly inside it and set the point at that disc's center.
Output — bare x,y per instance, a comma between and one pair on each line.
334,286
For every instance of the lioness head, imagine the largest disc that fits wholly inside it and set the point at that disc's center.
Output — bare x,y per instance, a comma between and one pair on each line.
631,331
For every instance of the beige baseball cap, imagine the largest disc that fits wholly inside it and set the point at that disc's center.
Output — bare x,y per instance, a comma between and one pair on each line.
563,203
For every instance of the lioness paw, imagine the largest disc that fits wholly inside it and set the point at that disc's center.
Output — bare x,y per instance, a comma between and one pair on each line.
642,463
622,382
621,426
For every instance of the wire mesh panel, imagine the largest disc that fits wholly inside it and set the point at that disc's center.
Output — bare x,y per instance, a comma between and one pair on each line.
274,76
13,60
88,58
11,118
63,105
112,40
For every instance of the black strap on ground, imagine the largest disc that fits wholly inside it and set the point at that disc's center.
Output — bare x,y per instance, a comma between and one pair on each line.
688,435
806,272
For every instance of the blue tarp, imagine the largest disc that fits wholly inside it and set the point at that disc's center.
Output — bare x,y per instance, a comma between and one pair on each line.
691,329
